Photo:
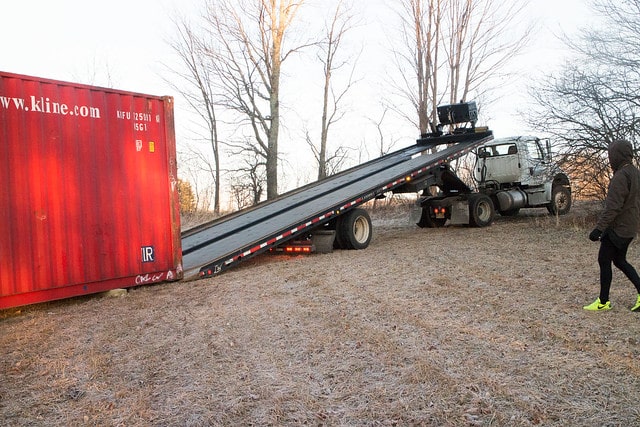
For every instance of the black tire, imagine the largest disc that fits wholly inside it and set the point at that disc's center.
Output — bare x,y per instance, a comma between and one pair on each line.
354,230
560,200
333,225
510,212
426,221
339,242
481,210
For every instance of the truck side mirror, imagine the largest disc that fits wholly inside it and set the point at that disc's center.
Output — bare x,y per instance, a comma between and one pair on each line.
548,147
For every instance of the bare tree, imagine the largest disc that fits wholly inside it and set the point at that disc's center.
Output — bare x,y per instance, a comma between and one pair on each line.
247,50
96,73
483,37
331,98
618,40
463,43
199,95
197,168
420,35
586,106
248,182
385,145
333,161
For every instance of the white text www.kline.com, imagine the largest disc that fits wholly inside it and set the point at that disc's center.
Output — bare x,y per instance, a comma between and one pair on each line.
46,106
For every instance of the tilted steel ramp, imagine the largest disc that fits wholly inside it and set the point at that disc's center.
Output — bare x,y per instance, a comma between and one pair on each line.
218,245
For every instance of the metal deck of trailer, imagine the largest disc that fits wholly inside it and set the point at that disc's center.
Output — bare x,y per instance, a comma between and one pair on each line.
218,245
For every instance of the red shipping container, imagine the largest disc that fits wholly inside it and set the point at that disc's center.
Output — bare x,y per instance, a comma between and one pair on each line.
89,198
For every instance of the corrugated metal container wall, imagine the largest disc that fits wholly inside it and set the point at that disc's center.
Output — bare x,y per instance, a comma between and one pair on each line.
89,197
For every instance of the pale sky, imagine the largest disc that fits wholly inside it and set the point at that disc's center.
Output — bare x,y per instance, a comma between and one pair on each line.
69,39
77,40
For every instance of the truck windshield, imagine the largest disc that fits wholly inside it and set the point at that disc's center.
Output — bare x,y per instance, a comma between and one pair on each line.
535,150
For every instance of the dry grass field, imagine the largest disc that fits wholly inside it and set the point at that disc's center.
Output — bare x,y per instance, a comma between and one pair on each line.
436,327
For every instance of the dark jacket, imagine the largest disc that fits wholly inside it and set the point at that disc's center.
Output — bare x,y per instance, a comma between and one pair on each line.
622,205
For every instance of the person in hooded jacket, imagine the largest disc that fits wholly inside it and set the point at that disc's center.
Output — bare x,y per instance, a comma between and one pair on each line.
618,223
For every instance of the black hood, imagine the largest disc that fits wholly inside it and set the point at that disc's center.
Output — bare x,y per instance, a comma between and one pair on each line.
620,153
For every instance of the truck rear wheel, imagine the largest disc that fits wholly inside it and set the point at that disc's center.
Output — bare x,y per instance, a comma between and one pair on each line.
560,200
354,230
481,210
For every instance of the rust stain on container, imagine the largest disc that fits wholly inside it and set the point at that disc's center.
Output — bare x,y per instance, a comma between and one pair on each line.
89,200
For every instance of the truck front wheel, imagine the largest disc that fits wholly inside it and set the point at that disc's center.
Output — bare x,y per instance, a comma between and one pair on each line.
354,230
560,200
481,210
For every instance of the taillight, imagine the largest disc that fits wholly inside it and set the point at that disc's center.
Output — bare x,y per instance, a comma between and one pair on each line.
297,249
439,212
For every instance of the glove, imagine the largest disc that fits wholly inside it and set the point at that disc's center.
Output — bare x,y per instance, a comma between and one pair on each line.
595,235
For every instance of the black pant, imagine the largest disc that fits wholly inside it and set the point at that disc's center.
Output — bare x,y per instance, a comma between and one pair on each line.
618,255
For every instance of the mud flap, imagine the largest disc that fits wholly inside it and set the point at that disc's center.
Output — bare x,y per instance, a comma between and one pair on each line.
460,213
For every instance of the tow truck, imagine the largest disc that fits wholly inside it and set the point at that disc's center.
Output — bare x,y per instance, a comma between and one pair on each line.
334,204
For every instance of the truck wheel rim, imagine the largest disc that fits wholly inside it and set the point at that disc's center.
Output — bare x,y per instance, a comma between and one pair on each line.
361,229
484,213
561,201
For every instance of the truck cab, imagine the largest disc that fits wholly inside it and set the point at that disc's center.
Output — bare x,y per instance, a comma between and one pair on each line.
521,159
519,172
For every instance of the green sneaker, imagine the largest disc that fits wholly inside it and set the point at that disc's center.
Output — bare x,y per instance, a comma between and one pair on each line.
637,306
598,306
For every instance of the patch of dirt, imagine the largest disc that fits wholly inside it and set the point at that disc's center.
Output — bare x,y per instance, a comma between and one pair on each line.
452,326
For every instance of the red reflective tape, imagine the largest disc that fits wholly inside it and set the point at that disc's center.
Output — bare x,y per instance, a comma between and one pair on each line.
274,240
348,205
393,184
